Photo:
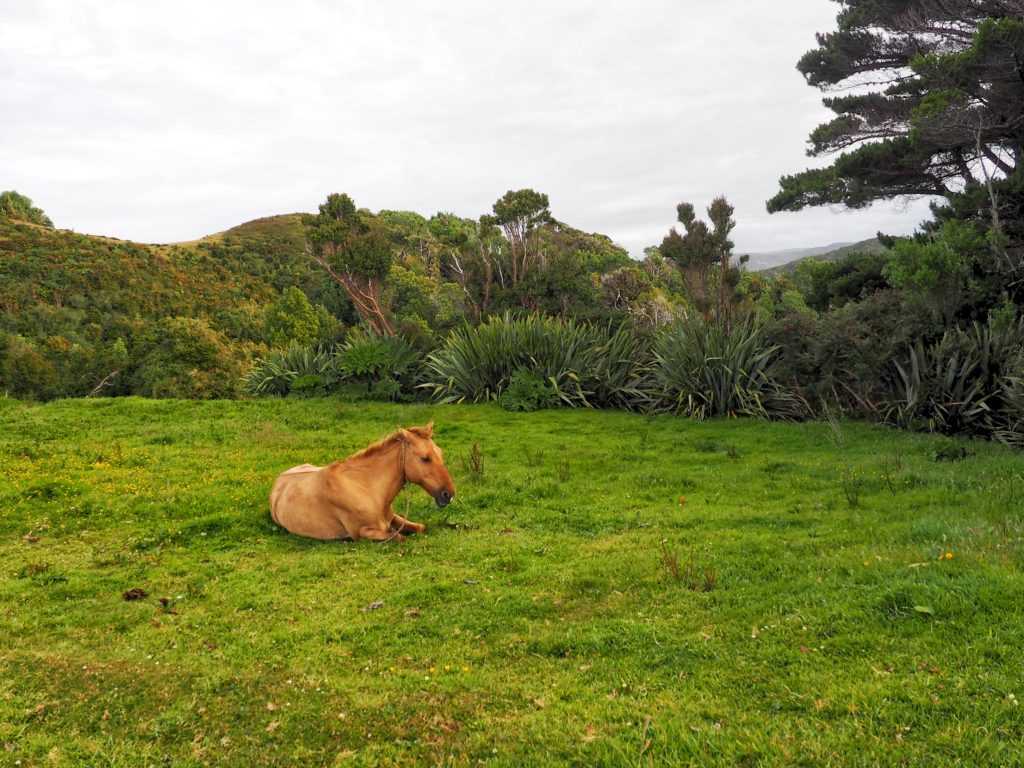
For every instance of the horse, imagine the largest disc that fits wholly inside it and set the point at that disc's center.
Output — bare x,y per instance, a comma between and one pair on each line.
351,499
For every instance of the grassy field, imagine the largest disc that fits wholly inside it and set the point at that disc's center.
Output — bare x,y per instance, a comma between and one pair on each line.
606,590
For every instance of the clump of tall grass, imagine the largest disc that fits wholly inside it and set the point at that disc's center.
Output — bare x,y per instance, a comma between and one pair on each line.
580,365
298,368
971,381
363,366
711,369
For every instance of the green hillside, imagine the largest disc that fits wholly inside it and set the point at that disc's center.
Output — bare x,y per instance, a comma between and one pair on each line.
76,308
283,229
81,314
871,245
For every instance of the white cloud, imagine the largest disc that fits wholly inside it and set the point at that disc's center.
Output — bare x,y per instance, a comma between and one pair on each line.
167,122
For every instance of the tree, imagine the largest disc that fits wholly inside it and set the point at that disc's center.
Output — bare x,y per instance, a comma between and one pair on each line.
703,256
20,208
949,275
472,254
519,214
952,101
423,307
829,285
567,282
630,291
291,319
355,255
931,102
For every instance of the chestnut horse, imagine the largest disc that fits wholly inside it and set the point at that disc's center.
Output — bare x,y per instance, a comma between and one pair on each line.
351,499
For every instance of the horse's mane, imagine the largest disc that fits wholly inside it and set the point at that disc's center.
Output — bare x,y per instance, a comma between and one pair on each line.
383,445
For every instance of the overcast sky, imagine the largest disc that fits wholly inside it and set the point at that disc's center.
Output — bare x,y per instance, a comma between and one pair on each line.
164,122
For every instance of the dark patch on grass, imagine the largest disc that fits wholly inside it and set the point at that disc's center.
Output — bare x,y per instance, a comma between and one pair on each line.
42,574
51,489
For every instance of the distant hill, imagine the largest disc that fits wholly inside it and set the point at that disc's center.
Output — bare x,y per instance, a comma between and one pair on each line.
284,230
74,308
786,261
81,314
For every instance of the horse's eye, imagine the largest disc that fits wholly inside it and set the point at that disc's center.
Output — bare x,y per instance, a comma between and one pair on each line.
425,459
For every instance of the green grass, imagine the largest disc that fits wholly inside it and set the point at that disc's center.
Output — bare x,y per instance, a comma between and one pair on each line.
612,590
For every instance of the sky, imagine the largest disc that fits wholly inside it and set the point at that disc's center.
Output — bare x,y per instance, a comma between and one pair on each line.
166,122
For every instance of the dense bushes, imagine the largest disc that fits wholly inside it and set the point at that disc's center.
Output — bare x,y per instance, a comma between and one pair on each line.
188,359
970,381
580,363
530,362
24,372
364,366
844,357
709,369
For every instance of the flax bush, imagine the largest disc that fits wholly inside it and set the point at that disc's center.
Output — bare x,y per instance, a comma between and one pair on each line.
364,366
583,365
971,381
709,369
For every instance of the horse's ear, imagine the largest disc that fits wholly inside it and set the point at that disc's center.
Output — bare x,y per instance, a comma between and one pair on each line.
430,428
405,434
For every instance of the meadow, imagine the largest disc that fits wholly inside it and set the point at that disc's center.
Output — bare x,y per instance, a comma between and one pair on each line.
607,589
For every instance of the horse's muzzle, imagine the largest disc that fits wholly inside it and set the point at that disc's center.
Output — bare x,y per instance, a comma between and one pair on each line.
443,498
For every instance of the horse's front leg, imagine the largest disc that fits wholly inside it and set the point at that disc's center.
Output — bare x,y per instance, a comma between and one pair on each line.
399,523
380,532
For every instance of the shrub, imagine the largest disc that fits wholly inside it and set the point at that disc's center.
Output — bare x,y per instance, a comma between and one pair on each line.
26,373
527,392
378,368
476,363
364,366
970,381
582,364
291,320
795,366
619,375
704,370
852,347
187,359
304,369
19,207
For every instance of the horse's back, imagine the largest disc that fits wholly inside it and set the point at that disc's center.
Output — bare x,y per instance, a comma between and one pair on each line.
301,469
296,503
285,486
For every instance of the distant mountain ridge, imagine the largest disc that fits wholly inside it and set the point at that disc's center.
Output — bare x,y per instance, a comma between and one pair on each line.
786,260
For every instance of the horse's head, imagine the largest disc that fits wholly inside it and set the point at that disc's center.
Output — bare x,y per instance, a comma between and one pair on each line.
424,464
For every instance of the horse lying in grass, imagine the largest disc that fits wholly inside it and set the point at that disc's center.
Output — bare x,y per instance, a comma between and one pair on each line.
351,499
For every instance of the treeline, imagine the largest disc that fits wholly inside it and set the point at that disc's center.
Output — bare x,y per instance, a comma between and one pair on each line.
521,309
927,335
518,307
83,315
